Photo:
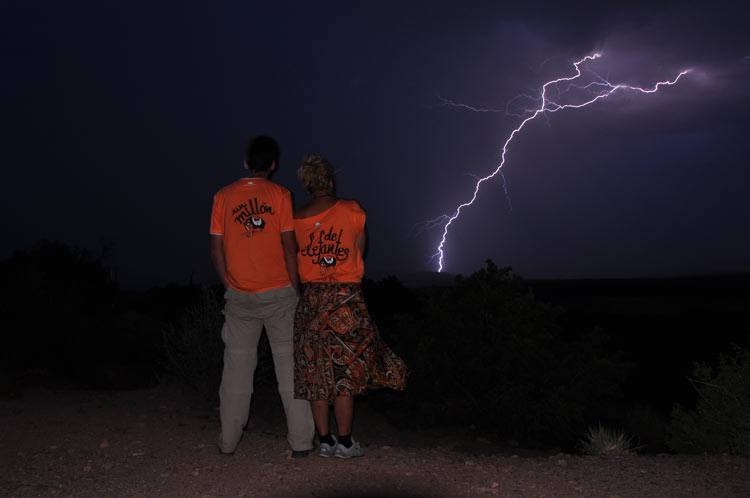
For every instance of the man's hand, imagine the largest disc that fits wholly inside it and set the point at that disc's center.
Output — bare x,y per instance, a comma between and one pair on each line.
290,258
217,256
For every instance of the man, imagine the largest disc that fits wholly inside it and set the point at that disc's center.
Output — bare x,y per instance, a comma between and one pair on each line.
255,254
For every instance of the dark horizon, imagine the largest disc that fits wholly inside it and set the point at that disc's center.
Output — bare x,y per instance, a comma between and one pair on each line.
123,120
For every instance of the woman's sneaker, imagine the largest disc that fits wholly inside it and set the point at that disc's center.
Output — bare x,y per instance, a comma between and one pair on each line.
327,450
355,450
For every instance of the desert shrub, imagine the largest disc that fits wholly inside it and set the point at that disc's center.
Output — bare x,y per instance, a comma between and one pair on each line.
602,441
193,345
56,304
720,422
62,315
194,349
486,352
648,428
392,305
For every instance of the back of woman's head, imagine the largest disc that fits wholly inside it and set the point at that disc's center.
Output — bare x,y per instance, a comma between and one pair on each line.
316,175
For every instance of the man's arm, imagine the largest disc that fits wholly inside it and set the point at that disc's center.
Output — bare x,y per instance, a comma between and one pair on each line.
290,257
217,256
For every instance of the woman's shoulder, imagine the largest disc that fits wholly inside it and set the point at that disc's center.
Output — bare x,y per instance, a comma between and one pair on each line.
311,209
353,205
341,205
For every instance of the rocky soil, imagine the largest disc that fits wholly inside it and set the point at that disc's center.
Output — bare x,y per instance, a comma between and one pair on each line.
60,442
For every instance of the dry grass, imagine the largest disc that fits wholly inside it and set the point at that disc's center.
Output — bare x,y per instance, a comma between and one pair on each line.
602,441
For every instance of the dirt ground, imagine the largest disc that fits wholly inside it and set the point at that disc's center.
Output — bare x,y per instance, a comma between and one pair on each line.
153,443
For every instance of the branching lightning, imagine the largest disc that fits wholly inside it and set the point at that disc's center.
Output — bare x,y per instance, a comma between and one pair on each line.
601,88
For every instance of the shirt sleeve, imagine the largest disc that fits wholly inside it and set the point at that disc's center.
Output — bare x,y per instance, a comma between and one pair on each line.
286,219
217,215
360,217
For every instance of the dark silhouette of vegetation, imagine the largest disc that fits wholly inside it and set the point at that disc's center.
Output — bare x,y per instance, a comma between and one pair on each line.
486,352
193,345
483,351
721,420
194,349
63,315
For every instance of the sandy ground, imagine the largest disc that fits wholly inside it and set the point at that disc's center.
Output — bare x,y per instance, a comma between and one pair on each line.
153,443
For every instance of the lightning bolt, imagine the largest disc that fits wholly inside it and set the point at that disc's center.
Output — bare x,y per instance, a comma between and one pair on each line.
601,88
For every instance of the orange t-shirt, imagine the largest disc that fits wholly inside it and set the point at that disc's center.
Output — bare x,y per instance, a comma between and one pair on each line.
327,244
251,213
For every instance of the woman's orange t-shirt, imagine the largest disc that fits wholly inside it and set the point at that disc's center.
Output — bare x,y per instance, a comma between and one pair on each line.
328,251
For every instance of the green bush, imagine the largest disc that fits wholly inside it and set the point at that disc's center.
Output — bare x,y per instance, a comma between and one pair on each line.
720,423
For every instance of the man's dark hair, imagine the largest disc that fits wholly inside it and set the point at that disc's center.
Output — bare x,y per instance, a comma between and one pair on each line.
261,152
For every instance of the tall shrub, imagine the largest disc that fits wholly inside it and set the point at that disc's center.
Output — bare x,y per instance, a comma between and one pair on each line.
720,422
485,351
57,305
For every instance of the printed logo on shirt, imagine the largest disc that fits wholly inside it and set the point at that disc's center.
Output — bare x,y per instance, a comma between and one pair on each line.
251,215
327,261
324,249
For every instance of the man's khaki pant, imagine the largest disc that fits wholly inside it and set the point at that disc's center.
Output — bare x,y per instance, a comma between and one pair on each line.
245,315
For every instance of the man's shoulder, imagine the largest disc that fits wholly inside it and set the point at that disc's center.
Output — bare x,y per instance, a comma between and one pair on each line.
264,188
230,187
278,189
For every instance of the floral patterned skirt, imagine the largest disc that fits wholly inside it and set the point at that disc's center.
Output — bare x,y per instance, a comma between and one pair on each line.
337,348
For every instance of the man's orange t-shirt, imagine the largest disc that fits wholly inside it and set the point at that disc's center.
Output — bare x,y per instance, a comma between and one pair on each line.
251,213
327,243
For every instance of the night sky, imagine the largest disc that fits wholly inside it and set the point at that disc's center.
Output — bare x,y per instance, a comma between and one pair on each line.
121,119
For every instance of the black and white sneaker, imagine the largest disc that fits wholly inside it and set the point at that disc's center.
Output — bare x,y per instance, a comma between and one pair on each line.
353,451
327,450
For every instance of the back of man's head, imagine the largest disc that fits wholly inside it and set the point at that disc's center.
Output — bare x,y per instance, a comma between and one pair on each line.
261,153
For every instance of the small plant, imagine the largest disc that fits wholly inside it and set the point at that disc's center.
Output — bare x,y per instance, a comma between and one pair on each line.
601,441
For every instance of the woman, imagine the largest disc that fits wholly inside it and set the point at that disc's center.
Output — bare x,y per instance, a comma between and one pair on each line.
338,352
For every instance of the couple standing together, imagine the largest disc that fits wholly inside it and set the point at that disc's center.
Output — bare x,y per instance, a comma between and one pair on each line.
298,274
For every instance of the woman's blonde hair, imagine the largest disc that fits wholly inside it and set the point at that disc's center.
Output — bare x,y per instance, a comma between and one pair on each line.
316,174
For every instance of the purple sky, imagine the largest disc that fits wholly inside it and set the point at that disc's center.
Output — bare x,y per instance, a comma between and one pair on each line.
123,119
